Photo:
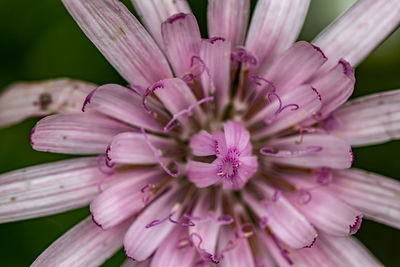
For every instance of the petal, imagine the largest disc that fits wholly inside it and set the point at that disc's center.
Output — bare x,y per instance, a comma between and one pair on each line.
262,254
285,221
228,19
49,188
181,39
30,99
301,103
202,174
376,196
240,255
132,148
274,27
86,244
203,144
295,66
369,120
236,136
359,30
121,39
131,263
122,104
346,251
335,87
124,199
153,13
216,55
324,151
75,134
170,254
140,242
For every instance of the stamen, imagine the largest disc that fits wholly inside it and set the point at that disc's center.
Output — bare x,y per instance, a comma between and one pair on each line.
273,152
284,252
103,168
324,176
157,156
260,81
206,257
148,92
304,197
169,217
281,106
241,55
225,219
304,129
192,75
171,125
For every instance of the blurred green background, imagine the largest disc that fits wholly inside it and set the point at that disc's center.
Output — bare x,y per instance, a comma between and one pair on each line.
39,40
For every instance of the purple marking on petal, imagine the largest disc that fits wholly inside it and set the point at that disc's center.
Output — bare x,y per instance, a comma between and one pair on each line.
206,257
126,254
324,176
149,91
95,222
312,243
157,156
176,17
273,152
347,68
147,188
108,158
225,219
318,94
87,99
215,39
171,125
356,225
319,50
352,156
31,136
277,194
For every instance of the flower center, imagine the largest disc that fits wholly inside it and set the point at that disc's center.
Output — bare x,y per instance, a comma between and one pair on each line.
229,167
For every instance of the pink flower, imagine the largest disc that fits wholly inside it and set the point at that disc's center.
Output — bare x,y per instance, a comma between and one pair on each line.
233,150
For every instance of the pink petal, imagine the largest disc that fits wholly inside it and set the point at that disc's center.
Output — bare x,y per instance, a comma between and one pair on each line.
49,188
203,144
295,66
236,135
132,148
274,27
170,254
85,244
30,99
240,255
376,196
124,199
228,19
76,134
132,263
121,39
140,242
181,39
359,30
346,251
262,254
369,120
122,104
202,174
335,87
335,152
216,55
285,221
307,103
153,13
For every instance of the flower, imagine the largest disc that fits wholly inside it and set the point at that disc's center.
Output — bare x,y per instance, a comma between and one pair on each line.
239,155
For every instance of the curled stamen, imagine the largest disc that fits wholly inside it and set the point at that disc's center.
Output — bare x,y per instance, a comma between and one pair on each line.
194,73
157,156
304,197
205,256
273,152
171,125
260,81
169,217
241,55
281,107
148,92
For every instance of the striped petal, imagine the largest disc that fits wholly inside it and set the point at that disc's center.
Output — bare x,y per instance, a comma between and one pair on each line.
76,134
30,99
359,30
121,39
49,188
274,27
228,19
368,120
154,12
376,196
86,244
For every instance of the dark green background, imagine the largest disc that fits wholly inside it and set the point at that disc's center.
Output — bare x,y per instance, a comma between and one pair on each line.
39,40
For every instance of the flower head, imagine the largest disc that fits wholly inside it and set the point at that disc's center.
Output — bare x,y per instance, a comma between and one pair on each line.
232,150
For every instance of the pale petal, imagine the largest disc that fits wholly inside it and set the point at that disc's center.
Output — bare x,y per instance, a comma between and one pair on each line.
132,263
123,199
141,241
284,220
203,144
181,39
274,27
369,120
76,134
236,136
315,150
49,188
346,251
376,196
359,30
202,174
30,99
122,104
86,244
170,254
121,39
228,19
155,12
262,254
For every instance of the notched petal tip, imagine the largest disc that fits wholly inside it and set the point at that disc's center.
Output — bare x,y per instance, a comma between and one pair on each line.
176,17
356,225
348,70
